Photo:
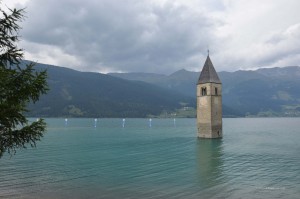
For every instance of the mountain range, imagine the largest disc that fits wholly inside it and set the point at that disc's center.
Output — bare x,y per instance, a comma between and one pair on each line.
263,92
85,94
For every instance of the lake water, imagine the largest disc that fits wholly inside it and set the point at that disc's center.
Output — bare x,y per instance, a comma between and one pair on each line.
257,158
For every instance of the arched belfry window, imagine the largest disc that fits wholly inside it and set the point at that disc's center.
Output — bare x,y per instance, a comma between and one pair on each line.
216,91
203,91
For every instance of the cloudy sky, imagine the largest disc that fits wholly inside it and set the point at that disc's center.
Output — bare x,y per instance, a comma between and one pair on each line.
160,36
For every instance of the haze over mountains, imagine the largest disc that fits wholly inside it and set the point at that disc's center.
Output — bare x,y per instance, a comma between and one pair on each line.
264,92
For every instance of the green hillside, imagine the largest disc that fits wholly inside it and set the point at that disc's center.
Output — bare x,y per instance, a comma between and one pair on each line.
83,94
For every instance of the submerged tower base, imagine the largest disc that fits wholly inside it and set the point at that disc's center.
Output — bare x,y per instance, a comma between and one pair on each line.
205,131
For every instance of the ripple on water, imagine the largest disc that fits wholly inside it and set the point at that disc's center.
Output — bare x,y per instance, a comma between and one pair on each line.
253,160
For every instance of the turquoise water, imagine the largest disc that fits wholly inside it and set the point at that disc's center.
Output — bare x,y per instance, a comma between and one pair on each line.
257,158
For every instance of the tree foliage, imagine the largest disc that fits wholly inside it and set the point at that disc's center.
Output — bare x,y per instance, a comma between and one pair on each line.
19,86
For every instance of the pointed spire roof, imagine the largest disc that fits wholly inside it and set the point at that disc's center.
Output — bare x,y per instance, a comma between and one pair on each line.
208,73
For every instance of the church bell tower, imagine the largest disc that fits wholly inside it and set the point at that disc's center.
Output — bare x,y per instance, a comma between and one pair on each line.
209,102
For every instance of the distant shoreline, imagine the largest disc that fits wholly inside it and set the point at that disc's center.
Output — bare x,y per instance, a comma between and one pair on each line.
60,117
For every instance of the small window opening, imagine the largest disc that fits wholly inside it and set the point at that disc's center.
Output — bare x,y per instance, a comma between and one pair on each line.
216,91
203,91
218,133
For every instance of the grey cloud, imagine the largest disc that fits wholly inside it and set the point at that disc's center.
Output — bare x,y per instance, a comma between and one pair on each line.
281,46
130,35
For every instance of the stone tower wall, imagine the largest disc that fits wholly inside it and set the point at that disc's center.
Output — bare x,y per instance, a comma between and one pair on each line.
209,111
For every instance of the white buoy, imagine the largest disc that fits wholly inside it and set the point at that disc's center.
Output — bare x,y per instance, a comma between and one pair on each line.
150,122
95,124
174,122
66,121
123,124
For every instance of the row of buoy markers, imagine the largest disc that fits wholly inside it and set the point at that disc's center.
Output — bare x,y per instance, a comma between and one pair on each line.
123,122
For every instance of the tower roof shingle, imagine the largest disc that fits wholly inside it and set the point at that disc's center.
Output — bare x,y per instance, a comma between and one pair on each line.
208,73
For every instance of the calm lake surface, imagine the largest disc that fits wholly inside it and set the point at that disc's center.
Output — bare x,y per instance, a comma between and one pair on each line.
257,158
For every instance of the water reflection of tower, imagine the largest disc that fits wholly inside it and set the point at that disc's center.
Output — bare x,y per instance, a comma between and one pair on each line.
209,165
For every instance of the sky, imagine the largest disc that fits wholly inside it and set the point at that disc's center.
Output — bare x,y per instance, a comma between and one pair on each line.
160,36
